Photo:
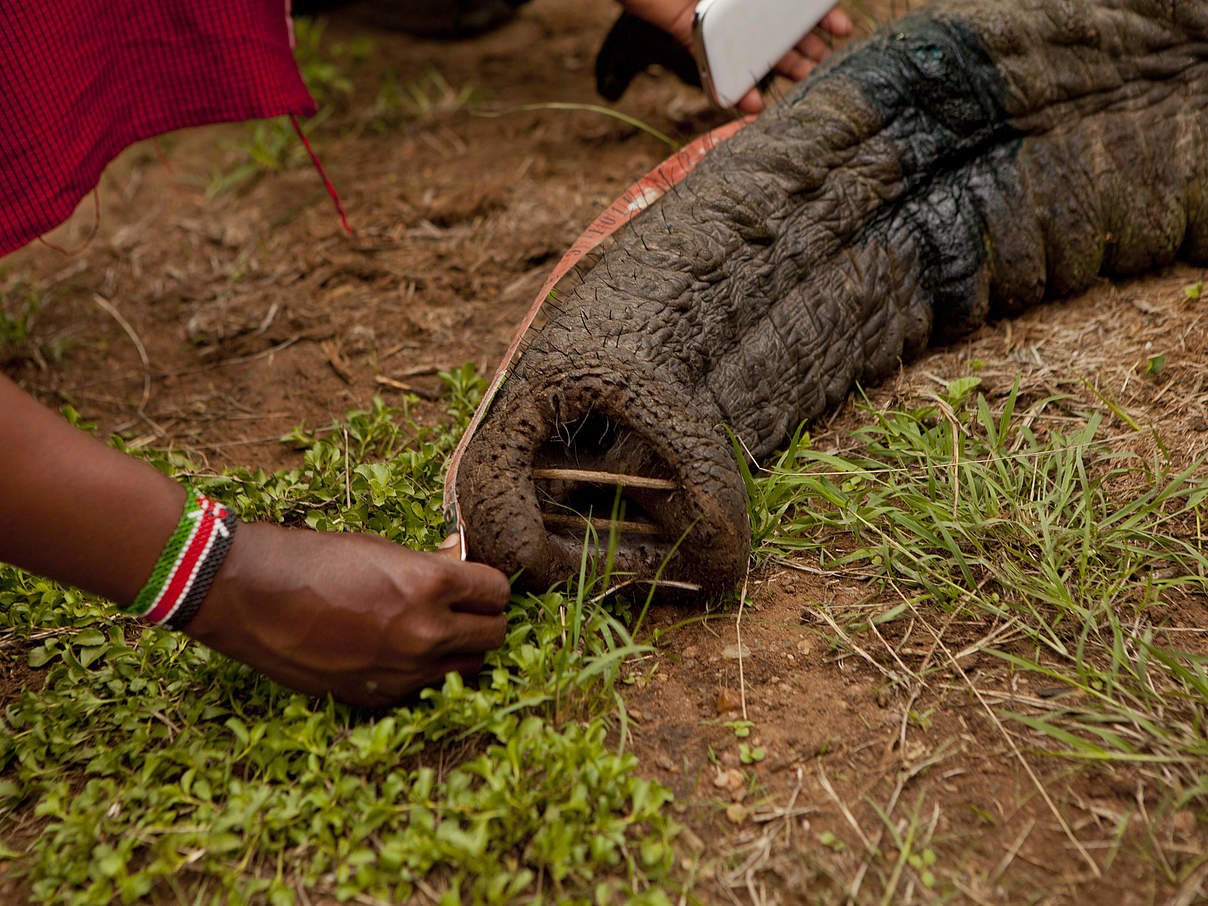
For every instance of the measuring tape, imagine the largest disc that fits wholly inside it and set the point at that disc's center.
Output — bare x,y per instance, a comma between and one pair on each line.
628,205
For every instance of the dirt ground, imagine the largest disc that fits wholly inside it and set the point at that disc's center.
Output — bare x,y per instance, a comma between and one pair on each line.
218,322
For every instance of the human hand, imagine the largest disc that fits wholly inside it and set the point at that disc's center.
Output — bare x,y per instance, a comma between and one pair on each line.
675,18
353,615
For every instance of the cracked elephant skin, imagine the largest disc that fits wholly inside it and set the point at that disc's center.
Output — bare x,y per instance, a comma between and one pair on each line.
964,162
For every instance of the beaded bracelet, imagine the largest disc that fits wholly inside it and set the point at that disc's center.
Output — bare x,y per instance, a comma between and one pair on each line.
185,569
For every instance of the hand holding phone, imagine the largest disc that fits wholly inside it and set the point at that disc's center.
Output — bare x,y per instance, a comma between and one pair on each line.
738,42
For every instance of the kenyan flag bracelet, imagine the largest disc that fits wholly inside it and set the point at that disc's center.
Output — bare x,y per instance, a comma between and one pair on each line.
185,569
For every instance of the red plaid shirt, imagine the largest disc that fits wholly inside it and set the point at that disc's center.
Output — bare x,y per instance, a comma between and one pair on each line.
82,79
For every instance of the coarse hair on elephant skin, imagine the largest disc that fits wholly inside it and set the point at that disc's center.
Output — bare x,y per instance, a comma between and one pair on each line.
966,161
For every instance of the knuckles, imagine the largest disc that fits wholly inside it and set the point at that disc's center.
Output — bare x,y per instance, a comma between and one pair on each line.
422,637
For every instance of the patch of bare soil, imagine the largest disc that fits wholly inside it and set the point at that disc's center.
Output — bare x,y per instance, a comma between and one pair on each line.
256,313
854,765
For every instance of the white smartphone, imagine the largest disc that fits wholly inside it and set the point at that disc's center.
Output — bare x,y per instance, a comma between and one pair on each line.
739,41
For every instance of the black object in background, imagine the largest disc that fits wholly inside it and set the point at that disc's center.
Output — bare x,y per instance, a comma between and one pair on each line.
632,45
425,18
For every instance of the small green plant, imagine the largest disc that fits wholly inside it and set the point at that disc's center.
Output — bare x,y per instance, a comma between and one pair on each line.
741,728
466,387
595,109
830,841
1195,291
18,311
958,390
983,815
325,72
429,95
1154,365
325,69
18,306
922,862
751,754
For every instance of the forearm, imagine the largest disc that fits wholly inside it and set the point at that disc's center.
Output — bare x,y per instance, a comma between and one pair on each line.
75,509
348,614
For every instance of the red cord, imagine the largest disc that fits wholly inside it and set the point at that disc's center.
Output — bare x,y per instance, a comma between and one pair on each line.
96,225
331,190
160,153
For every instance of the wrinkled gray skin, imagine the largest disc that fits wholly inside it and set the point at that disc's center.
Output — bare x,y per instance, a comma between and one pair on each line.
966,161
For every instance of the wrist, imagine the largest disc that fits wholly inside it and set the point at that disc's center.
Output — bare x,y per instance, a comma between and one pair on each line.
185,570
260,609
224,605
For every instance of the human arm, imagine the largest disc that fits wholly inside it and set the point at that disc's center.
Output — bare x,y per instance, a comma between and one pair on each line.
675,18
352,615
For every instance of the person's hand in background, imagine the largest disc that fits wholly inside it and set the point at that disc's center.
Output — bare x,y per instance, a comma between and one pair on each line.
675,18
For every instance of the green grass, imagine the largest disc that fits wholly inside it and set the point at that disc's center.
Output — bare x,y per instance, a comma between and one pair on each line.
18,307
149,763
426,96
23,335
591,108
148,766
1054,551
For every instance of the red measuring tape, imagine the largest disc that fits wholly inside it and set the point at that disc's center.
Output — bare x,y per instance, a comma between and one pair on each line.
628,205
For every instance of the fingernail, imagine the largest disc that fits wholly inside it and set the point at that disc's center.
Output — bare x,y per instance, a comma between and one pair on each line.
449,542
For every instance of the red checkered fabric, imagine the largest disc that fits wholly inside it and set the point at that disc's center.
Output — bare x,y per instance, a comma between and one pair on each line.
82,79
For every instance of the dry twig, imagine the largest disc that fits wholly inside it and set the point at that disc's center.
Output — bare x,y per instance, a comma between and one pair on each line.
108,307
1065,827
612,478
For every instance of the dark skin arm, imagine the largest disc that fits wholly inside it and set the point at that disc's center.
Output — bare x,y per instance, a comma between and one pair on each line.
353,615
